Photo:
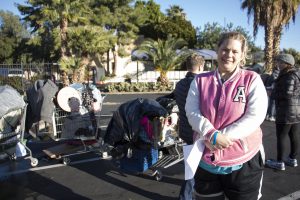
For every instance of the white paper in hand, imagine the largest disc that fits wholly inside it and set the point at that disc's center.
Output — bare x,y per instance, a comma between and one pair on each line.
192,156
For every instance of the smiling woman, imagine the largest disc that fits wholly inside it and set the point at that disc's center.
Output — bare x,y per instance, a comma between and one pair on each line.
225,108
232,50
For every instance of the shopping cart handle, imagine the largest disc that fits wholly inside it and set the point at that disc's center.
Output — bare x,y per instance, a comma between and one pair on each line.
103,96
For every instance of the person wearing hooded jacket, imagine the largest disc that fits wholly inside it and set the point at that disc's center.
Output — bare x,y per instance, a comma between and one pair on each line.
270,90
287,103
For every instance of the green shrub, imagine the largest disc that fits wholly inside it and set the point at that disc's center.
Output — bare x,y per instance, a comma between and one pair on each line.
137,87
16,82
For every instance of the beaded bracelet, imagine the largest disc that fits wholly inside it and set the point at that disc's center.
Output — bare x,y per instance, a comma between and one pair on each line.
215,138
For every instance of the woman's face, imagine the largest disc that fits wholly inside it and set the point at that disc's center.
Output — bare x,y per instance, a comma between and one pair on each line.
229,55
279,64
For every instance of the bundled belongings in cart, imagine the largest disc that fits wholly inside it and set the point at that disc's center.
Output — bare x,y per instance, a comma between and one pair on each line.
83,102
136,133
169,103
12,124
40,105
170,126
125,130
77,121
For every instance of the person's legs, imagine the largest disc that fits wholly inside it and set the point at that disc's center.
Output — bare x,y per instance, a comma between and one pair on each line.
269,109
222,197
294,140
207,186
246,182
272,110
186,191
282,131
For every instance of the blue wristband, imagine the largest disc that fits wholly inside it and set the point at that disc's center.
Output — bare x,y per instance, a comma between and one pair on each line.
215,138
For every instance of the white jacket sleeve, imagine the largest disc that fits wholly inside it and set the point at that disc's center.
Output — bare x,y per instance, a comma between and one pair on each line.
255,112
199,123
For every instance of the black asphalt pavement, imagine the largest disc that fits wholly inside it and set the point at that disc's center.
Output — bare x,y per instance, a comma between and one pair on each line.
89,177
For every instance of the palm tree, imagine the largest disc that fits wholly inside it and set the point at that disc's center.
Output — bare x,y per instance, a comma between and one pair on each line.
87,42
118,17
272,15
55,14
164,54
176,11
287,9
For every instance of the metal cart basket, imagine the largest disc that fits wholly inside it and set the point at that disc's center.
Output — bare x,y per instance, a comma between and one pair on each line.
160,156
80,133
10,139
75,122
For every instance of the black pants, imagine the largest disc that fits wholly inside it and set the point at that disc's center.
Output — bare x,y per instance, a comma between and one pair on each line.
283,131
242,184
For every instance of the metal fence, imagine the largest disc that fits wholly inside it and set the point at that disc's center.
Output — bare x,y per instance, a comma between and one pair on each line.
30,71
22,76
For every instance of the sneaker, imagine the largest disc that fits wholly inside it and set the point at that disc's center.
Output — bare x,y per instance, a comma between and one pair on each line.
272,119
275,164
291,162
267,118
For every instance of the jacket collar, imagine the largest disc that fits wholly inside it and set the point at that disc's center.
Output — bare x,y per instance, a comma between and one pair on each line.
190,74
218,76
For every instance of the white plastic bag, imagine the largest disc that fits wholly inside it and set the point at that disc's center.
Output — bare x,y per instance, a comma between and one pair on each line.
20,150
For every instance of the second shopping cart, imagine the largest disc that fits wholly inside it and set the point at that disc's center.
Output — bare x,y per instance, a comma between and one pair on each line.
142,136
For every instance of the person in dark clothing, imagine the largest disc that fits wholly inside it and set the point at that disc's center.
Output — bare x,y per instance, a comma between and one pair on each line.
287,103
270,91
195,65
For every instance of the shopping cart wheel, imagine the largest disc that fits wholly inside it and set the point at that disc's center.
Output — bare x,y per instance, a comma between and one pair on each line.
34,162
12,157
66,161
158,175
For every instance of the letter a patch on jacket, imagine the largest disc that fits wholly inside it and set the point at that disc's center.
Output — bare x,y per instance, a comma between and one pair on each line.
240,95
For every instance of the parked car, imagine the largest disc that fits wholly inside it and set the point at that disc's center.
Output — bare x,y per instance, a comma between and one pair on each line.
11,72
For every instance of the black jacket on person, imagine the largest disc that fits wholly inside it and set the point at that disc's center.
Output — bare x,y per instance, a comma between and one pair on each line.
287,96
274,76
268,79
180,93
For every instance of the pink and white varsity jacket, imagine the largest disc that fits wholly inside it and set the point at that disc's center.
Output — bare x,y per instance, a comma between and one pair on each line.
236,107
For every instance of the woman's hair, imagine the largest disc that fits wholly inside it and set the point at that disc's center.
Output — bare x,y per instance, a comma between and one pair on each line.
236,36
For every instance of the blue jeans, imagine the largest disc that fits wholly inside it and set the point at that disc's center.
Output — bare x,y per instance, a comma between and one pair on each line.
186,191
271,108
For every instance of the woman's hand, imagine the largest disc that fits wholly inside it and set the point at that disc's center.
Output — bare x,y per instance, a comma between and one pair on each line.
222,141
209,145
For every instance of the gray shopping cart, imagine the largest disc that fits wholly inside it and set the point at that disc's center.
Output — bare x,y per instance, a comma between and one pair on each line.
12,125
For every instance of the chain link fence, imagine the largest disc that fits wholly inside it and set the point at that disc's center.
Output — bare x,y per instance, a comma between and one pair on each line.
22,76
